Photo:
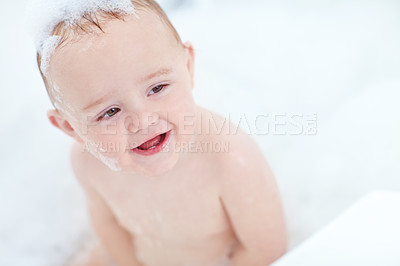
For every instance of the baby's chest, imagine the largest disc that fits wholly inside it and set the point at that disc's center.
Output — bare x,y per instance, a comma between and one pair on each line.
183,215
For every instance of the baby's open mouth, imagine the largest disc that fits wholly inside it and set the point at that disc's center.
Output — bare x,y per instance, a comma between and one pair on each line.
154,145
151,144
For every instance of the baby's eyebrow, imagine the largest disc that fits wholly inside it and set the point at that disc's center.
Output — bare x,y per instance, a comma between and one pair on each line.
98,101
160,72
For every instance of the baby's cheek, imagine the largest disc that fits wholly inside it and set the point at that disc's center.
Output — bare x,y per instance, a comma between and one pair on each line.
186,123
109,142
105,150
183,116
181,102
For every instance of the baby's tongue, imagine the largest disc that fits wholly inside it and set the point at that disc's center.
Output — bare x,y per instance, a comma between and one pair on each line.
150,143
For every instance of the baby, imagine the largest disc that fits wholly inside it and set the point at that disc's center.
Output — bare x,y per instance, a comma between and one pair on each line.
167,182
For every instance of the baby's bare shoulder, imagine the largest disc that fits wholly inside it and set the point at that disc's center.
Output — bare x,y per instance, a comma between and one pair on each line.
242,154
242,158
238,146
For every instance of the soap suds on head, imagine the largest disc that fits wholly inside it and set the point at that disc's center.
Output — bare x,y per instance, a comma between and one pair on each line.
44,15
46,50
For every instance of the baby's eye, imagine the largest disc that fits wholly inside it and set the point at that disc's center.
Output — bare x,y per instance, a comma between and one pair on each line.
157,89
110,113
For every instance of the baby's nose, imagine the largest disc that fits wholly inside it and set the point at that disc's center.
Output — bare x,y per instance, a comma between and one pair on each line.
139,122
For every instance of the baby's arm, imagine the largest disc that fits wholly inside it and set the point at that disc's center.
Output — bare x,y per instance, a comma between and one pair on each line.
251,200
114,238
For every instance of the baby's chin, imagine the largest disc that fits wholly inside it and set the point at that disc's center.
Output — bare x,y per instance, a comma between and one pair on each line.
153,168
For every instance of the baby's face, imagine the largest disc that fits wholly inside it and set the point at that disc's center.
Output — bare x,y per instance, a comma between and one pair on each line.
127,93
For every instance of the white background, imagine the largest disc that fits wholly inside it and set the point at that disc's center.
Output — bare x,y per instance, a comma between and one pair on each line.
337,59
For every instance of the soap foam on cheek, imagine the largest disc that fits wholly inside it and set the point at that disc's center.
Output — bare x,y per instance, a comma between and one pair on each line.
112,163
94,148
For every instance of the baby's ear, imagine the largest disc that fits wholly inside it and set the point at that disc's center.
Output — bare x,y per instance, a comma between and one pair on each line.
57,120
190,60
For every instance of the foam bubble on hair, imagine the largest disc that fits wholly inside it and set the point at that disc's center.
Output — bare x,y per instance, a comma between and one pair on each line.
46,50
44,15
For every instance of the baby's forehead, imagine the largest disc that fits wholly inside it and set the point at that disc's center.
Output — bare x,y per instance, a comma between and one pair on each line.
138,26
130,39
125,53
